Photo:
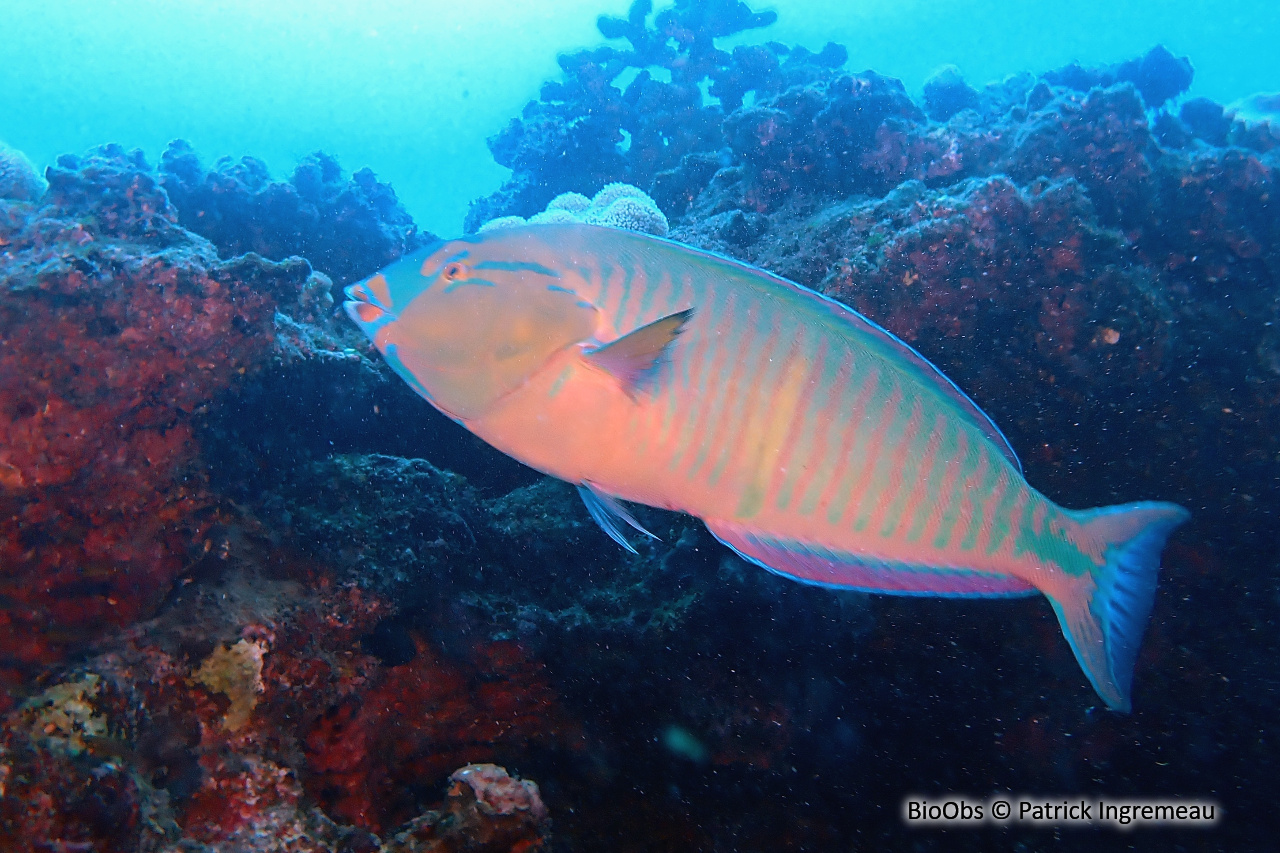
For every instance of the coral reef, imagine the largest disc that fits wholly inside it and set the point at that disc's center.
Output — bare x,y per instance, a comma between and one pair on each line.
1256,121
347,227
368,757
18,178
236,672
118,327
256,595
451,543
487,810
1158,76
1096,262
827,135
132,752
946,93
589,129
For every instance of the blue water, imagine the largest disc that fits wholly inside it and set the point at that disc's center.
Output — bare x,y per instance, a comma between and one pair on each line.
412,89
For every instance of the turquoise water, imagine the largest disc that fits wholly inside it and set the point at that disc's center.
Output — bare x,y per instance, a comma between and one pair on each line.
412,89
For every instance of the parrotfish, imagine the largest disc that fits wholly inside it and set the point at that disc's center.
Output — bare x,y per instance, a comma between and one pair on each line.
807,438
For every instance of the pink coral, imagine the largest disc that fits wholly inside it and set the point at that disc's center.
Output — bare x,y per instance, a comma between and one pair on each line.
496,792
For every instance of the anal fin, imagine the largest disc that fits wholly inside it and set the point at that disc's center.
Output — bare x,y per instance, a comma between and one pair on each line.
607,511
817,566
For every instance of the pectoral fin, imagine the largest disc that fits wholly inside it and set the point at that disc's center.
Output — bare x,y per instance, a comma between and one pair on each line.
631,357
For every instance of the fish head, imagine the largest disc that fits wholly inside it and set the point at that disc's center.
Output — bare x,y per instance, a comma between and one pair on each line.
469,321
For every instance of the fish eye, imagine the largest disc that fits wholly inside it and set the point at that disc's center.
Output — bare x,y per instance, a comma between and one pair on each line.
453,271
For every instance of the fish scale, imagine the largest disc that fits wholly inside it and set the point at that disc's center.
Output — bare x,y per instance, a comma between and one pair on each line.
810,440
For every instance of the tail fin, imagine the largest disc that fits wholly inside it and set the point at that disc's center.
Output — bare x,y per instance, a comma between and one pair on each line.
1104,624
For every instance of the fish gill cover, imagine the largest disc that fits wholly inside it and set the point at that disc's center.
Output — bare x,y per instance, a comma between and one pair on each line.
217,506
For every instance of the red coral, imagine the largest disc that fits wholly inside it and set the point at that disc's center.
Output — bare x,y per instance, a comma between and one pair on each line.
367,754
240,792
49,803
96,428
108,352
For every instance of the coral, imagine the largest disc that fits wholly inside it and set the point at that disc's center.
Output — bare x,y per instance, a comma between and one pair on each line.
1158,76
1216,207
18,178
585,131
367,755
1256,121
452,543
675,189
495,792
611,193
632,214
1101,139
236,672
63,716
129,751
347,227
503,222
572,202
1206,120
360,499
49,802
486,810
946,93
118,328
992,239
822,135
617,205
116,194
547,217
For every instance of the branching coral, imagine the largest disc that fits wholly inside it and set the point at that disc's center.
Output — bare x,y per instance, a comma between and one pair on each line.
588,130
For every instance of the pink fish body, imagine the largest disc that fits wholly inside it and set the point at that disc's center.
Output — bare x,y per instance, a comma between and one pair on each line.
807,438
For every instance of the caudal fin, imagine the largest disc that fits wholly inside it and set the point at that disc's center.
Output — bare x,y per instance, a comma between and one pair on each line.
1105,621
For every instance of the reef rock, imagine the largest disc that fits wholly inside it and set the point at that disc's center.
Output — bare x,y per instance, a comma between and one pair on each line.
346,226
119,327
18,178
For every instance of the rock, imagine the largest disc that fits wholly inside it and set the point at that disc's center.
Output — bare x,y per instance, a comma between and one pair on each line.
946,93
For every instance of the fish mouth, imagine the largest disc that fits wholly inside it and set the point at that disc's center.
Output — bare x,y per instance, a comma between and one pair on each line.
365,307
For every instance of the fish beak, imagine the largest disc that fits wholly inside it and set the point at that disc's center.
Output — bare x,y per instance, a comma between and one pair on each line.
364,307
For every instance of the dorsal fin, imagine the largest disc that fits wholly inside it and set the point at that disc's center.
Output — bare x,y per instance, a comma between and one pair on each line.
633,355
924,368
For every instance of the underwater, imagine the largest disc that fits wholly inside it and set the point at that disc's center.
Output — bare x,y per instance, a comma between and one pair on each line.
665,425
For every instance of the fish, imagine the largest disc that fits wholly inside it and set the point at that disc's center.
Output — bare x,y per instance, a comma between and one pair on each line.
808,439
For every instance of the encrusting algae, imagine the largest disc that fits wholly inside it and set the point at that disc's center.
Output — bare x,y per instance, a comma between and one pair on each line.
64,717
236,672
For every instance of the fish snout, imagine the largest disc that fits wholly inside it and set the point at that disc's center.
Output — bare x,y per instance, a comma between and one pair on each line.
365,306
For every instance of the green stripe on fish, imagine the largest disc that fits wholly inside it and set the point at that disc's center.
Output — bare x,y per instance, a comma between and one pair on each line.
657,373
